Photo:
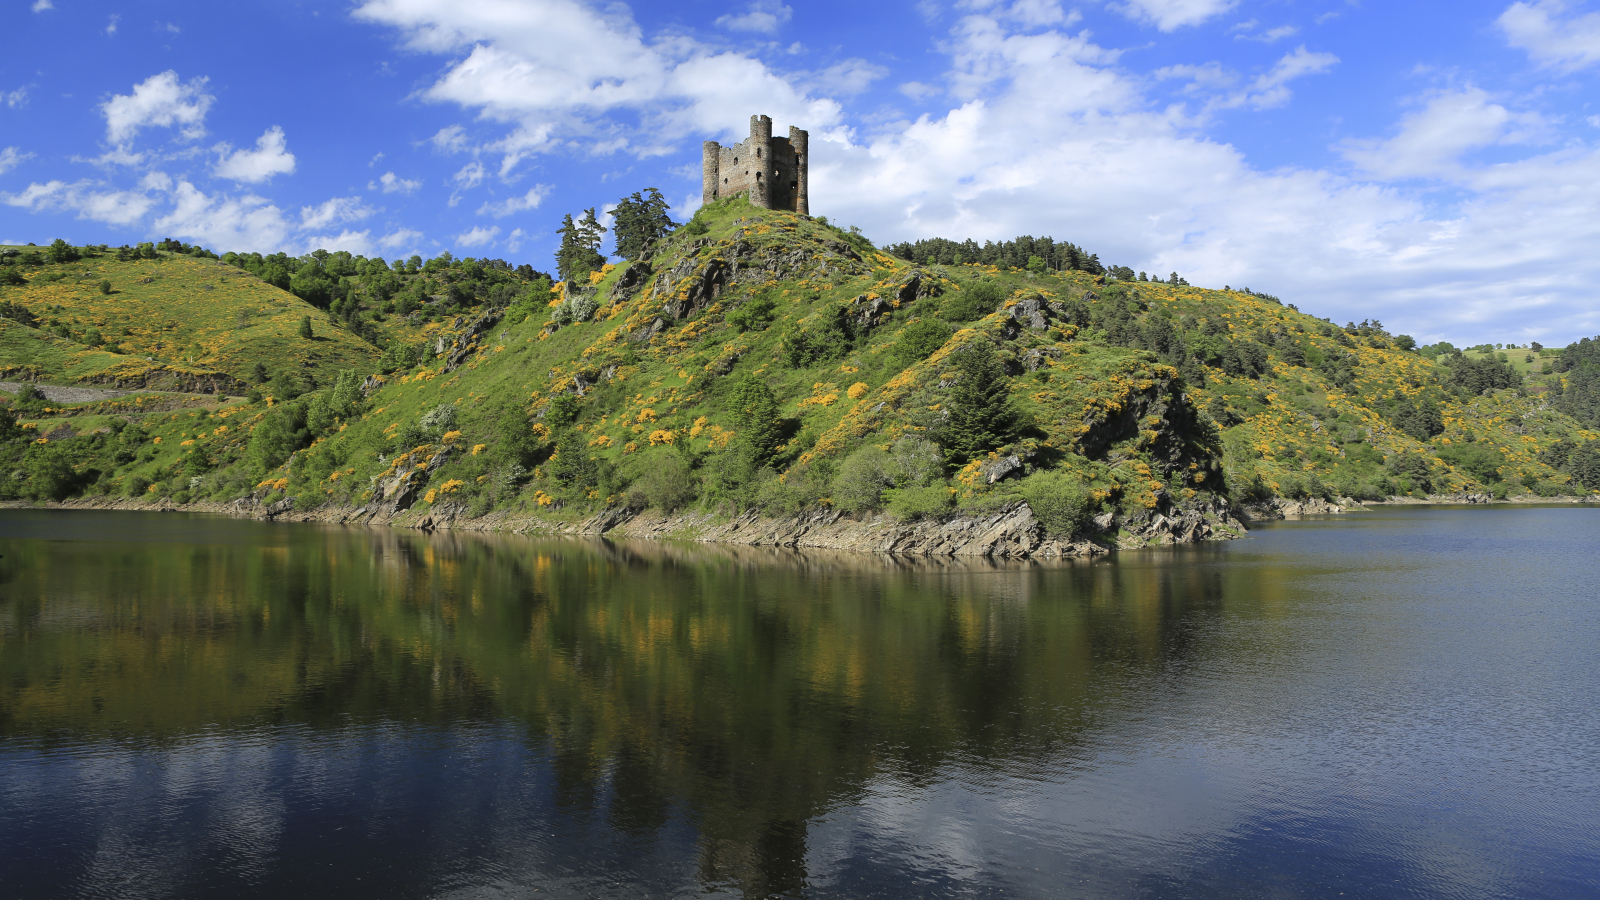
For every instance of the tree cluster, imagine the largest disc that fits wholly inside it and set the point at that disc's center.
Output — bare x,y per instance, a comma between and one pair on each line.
1051,255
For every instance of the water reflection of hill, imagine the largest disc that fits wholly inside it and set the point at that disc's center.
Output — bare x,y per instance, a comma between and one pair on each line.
756,687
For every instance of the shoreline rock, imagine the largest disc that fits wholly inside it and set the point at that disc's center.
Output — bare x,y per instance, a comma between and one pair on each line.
1008,533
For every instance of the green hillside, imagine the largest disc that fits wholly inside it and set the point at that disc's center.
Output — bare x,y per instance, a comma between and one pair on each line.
174,309
760,360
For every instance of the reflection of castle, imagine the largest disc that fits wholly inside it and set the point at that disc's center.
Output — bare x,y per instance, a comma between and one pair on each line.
772,171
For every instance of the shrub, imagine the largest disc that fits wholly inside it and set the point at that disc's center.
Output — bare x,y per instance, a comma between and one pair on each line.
50,473
1060,502
562,411
916,461
440,419
972,302
919,340
105,287
1482,463
138,486
753,316
663,482
927,502
862,478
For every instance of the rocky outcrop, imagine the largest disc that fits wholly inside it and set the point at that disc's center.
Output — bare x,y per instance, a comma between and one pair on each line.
1282,507
466,342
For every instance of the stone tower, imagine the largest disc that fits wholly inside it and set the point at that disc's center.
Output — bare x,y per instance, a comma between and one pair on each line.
771,171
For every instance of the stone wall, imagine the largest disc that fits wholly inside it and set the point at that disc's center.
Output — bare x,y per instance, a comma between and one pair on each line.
770,171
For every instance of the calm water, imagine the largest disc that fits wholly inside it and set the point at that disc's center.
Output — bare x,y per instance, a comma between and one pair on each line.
1404,703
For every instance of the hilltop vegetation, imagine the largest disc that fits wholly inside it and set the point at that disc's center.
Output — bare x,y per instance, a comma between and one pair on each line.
756,360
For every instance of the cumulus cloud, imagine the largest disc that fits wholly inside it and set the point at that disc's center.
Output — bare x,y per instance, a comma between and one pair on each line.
1170,15
333,212
42,5
1543,29
160,100
557,70
11,157
270,157
762,16
16,98
391,183
1098,162
400,238
477,236
223,222
90,200
530,200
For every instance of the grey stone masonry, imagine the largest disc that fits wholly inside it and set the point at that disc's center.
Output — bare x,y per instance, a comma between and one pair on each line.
771,171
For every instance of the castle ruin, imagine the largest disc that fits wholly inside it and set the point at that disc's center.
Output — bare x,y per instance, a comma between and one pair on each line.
771,171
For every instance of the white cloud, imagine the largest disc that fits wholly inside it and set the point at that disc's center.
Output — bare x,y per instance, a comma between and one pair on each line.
271,157
225,223
477,236
160,100
333,212
11,157
400,238
42,5
514,240
1272,88
1098,162
918,91
554,71
530,200
1539,28
391,183
1271,36
470,176
89,200
1593,120
1431,141
451,139
763,16
111,27
358,243
1170,15
16,98
847,78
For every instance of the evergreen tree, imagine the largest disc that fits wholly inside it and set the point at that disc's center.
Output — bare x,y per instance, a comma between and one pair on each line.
640,222
754,411
579,253
305,328
981,416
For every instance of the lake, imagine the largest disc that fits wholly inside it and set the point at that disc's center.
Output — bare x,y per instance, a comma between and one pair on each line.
1400,703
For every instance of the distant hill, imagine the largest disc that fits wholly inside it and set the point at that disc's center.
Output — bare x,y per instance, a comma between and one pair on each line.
756,360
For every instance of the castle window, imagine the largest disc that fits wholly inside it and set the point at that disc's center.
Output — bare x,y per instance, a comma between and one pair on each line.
793,185
736,160
758,153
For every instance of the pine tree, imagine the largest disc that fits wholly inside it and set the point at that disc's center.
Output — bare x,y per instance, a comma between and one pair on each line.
754,411
305,328
579,253
640,222
981,415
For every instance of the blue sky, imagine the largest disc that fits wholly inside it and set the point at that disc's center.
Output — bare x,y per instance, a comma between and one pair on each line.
1433,165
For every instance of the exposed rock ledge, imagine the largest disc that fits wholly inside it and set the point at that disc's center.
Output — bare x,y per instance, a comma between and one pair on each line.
1011,533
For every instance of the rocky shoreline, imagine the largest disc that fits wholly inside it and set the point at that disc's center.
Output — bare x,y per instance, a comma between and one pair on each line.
1008,533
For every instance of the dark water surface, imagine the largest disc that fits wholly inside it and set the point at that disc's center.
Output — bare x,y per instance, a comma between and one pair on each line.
1403,703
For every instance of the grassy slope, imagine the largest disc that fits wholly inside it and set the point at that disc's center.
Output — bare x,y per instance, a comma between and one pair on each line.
186,311
664,392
